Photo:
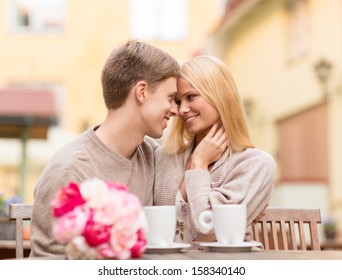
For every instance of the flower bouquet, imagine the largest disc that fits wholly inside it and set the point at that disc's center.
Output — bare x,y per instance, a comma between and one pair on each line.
99,220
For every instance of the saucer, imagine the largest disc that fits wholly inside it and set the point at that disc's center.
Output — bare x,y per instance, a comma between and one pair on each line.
242,247
173,248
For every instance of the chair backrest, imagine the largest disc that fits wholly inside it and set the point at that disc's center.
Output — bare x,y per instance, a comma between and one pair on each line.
284,229
20,212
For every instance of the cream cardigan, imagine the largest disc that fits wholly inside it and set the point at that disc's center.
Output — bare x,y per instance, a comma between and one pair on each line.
247,178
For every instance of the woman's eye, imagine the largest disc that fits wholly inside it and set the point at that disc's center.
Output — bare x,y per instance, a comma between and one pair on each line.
191,97
177,102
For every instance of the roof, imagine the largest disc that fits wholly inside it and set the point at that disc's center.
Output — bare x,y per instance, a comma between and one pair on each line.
235,12
26,108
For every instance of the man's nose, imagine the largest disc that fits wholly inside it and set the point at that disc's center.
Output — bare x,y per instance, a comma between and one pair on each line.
174,109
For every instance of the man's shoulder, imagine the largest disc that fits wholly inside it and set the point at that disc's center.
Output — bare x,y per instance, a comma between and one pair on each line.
149,144
67,155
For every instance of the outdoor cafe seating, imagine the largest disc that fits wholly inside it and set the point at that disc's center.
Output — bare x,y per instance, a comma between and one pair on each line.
281,231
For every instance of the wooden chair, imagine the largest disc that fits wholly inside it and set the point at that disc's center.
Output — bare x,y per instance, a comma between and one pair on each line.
280,229
20,212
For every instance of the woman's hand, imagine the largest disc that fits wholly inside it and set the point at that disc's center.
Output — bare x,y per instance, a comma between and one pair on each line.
210,149
260,216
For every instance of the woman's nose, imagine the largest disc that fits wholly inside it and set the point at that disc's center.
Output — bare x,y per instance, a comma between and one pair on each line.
183,108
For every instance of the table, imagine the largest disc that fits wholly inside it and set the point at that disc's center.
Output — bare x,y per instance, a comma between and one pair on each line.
332,244
7,248
254,255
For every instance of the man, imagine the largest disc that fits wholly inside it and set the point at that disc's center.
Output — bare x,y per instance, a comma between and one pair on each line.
139,85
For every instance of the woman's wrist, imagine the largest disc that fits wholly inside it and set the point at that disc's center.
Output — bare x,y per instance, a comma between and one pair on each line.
198,164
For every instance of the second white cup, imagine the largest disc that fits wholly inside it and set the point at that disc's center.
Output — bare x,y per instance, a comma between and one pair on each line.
228,221
161,221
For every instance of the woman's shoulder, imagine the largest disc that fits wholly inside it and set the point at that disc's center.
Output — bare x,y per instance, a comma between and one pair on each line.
162,155
255,156
255,152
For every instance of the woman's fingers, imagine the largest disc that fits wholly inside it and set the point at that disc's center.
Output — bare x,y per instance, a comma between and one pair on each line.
223,139
220,137
219,133
212,131
215,133
260,216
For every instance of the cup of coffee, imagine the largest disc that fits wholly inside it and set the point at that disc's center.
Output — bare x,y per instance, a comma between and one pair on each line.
228,221
161,221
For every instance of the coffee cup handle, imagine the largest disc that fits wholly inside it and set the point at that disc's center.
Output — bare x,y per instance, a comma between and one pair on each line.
206,220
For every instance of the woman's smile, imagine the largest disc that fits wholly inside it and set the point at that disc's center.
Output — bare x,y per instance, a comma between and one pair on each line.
190,119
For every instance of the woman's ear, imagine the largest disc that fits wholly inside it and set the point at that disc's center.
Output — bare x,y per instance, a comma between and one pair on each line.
141,91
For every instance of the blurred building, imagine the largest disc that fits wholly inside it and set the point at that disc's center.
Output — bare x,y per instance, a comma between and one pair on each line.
285,56
60,46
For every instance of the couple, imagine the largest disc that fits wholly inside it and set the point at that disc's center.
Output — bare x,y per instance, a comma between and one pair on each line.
207,159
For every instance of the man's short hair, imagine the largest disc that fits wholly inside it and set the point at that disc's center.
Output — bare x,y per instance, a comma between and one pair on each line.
133,62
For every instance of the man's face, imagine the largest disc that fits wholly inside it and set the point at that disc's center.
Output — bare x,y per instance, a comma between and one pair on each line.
159,107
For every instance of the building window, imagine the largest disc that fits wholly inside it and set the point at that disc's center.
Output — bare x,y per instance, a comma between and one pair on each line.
158,19
298,27
303,146
36,16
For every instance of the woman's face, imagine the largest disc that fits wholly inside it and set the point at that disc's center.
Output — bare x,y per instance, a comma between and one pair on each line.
197,114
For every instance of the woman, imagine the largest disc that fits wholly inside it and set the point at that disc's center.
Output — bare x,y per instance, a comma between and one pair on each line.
208,157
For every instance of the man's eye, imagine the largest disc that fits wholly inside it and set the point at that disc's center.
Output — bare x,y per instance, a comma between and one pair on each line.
177,102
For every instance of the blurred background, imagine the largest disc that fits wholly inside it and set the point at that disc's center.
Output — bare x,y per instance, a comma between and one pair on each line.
285,56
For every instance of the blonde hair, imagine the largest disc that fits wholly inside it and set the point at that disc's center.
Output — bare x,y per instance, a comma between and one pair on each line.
212,79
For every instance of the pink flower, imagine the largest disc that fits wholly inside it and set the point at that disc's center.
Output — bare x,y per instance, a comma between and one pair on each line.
66,200
106,251
124,235
111,209
117,186
94,191
99,220
139,248
96,233
132,204
70,225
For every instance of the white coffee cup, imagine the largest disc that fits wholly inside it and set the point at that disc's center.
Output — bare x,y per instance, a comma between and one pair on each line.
228,221
161,221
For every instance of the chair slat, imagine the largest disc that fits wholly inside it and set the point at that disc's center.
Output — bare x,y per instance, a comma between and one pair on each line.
20,212
265,235
283,235
285,238
256,232
274,234
301,236
292,235
314,236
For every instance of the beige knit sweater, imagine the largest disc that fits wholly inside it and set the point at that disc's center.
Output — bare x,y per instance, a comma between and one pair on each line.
247,178
84,158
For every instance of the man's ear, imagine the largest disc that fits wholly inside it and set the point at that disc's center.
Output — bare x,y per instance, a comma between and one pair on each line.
141,91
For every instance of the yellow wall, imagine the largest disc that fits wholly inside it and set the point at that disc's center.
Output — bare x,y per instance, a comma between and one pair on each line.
256,49
74,60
